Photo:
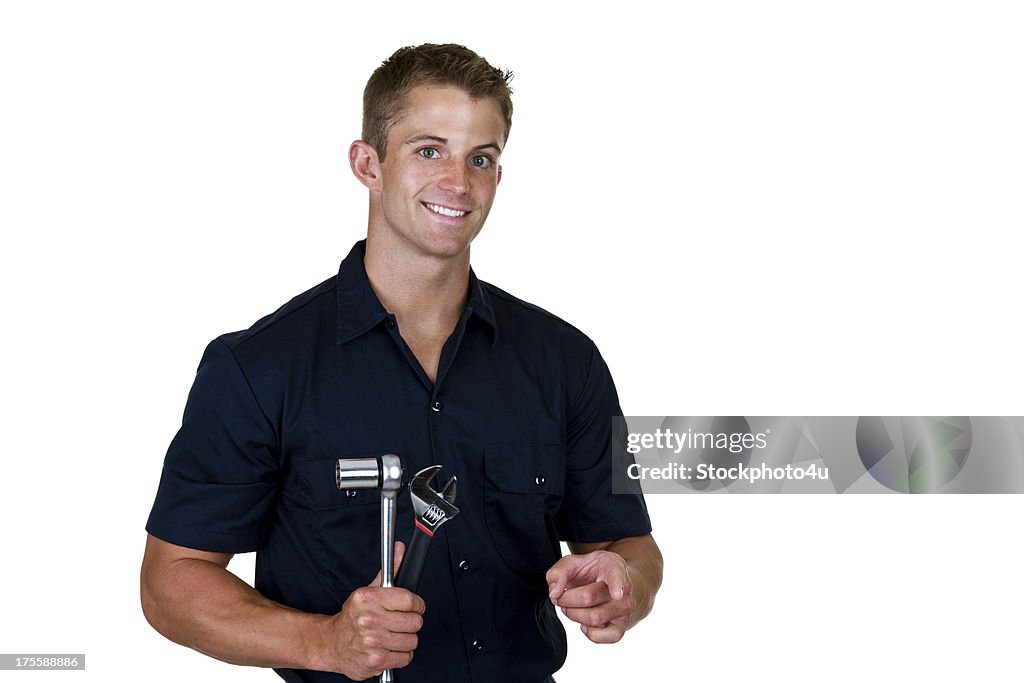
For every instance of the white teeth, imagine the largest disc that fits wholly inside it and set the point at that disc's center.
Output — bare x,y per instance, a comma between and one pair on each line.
445,211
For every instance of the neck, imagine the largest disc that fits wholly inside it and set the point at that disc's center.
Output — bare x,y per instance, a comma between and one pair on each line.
425,293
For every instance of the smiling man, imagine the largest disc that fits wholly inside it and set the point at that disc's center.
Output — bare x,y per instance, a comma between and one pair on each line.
405,351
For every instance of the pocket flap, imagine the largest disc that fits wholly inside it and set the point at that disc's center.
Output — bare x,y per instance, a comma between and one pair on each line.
525,468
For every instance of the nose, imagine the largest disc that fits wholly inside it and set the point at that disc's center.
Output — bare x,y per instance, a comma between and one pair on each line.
454,178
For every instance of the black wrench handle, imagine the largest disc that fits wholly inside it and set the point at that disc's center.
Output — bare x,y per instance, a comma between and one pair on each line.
414,560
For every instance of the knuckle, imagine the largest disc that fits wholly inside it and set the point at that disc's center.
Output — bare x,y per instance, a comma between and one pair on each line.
605,636
609,614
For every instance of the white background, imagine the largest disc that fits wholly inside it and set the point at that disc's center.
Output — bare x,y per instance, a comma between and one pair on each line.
754,208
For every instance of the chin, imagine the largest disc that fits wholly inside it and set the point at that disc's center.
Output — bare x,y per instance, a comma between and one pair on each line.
448,250
448,246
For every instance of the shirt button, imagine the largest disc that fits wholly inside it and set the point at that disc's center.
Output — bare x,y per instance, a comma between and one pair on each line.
464,566
436,406
540,480
478,645
391,324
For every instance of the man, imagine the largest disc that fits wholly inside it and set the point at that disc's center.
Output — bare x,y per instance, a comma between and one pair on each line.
404,352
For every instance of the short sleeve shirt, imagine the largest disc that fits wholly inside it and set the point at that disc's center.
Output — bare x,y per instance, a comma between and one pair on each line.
521,412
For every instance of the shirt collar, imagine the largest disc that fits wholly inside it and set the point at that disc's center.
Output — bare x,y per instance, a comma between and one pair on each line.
479,304
359,309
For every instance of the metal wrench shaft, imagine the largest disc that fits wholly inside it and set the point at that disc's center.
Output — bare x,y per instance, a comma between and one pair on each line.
385,473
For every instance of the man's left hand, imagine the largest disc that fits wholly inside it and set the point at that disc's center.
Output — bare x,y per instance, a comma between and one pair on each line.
595,591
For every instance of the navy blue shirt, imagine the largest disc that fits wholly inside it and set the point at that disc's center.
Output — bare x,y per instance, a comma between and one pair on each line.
520,411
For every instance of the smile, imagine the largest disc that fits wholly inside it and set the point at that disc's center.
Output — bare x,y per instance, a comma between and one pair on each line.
445,211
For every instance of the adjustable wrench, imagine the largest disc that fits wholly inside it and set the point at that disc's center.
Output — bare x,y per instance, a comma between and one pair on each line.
432,509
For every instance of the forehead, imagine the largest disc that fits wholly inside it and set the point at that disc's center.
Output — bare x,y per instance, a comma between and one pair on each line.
448,112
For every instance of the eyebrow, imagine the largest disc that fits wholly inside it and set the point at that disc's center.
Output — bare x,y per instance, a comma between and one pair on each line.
444,141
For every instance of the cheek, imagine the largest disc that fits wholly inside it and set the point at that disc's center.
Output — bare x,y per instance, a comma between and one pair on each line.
402,191
405,179
488,184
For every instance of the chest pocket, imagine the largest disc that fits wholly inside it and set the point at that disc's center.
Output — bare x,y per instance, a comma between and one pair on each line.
345,525
523,492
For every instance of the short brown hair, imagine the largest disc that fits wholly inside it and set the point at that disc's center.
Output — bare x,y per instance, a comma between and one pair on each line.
428,64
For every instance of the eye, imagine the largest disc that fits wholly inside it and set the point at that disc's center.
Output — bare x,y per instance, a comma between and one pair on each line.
429,153
481,161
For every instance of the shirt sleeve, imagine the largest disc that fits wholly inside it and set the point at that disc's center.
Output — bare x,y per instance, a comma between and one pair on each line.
220,475
590,512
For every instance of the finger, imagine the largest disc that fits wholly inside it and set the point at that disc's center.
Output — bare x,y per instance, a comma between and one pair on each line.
559,575
376,603
399,554
402,601
612,633
394,642
402,622
590,595
379,660
600,615
372,620
616,577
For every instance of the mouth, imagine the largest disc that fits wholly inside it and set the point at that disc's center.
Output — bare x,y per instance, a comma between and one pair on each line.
446,211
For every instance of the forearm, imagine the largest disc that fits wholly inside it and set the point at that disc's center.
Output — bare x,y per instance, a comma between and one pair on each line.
202,605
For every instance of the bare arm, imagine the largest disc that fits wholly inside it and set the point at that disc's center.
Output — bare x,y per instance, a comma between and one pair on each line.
191,598
607,587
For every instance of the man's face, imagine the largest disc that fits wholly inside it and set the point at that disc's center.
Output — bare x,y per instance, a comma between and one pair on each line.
439,178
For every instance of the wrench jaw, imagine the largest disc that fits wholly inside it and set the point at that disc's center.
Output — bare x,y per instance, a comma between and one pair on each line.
432,508
448,492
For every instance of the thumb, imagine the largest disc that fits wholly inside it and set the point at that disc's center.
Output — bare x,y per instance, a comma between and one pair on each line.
399,554
616,576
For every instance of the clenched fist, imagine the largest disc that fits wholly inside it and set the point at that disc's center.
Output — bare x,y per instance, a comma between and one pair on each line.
375,629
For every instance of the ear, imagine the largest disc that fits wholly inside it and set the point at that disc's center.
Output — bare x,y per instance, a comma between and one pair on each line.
362,159
498,181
